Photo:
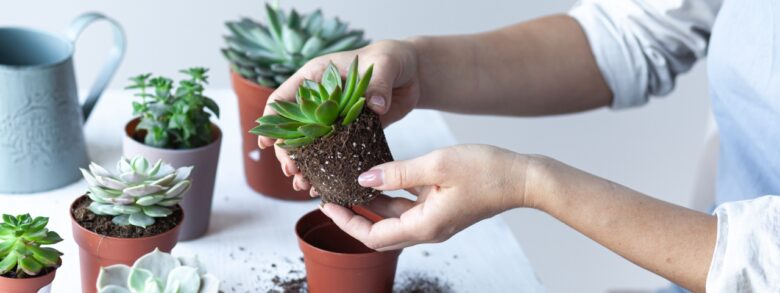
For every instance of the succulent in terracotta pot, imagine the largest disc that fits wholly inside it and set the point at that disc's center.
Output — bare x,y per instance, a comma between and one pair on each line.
127,213
173,124
158,272
261,57
268,55
330,134
26,265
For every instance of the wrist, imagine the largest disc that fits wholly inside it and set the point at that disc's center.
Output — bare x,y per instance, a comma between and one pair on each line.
539,182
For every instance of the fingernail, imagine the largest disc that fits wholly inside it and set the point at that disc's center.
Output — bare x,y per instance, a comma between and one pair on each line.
285,170
295,186
371,178
377,102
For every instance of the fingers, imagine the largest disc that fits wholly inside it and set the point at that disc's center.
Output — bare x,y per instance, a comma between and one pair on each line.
376,236
289,167
380,90
421,171
389,207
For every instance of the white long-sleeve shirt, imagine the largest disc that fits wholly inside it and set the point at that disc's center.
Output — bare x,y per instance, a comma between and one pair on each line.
640,47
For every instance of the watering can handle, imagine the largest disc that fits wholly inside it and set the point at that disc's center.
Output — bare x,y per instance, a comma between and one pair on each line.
114,57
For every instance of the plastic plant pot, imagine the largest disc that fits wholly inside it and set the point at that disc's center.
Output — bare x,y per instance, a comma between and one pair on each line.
40,284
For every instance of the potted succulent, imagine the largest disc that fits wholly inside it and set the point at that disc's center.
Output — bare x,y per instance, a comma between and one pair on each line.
173,124
25,265
336,262
331,135
261,58
127,213
158,272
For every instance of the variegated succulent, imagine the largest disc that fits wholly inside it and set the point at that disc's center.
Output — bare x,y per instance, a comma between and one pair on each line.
21,238
318,108
138,192
268,55
158,272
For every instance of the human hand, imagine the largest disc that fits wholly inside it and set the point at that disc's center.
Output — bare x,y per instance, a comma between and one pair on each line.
455,188
392,93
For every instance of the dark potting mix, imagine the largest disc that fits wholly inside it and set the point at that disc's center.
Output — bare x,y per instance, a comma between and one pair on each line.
103,225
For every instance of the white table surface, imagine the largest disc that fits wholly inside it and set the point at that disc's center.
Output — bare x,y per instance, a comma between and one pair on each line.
251,233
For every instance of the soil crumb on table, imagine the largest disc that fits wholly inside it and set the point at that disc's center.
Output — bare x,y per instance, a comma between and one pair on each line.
291,285
422,283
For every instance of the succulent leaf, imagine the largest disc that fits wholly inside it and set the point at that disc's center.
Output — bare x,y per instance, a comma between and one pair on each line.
315,130
354,112
138,199
157,272
275,131
327,112
21,245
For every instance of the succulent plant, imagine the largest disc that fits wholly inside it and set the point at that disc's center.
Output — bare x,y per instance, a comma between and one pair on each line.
318,109
174,118
138,192
269,55
158,272
21,238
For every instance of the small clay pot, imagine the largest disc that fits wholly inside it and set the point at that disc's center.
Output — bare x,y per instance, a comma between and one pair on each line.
198,200
96,251
262,169
336,262
40,284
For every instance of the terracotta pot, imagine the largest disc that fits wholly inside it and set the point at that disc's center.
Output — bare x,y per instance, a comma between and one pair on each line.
197,202
40,284
96,251
262,170
336,262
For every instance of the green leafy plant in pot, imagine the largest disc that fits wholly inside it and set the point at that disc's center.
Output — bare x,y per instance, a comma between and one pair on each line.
330,134
261,57
173,124
25,264
127,213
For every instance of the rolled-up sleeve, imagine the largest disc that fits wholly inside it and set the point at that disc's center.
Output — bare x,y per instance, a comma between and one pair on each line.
641,46
747,251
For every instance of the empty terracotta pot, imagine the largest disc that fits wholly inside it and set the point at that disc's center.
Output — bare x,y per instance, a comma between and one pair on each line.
262,170
96,251
40,284
198,200
336,262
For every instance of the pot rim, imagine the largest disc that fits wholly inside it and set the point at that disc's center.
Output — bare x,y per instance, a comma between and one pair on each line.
136,120
249,83
72,219
36,278
339,254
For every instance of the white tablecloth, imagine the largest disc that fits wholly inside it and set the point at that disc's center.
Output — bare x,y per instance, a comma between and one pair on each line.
251,238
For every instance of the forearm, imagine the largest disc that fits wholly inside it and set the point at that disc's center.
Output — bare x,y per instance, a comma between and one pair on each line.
540,67
669,240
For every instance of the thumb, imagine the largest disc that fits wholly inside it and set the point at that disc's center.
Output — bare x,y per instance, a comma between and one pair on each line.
403,174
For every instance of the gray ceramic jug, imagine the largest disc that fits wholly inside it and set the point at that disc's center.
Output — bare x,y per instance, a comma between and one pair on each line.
41,137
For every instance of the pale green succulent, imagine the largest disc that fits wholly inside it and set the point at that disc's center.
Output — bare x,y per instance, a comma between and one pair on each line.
21,238
158,272
268,55
318,107
138,192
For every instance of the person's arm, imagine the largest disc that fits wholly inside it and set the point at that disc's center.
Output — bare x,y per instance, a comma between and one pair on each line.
540,67
459,186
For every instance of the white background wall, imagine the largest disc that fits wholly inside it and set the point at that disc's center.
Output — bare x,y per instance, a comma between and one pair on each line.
652,149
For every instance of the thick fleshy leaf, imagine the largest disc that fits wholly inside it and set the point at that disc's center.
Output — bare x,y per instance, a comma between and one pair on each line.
138,278
165,169
352,80
98,170
159,263
125,200
360,89
273,119
123,165
140,164
149,200
298,142
98,199
47,256
292,126
341,45
293,41
178,189
116,275
104,193
193,261
289,110
121,220
88,177
187,277
127,209
354,112
274,24
50,237
142,190
9,262
164,181
114,289
324,93
274,132
140,220
331,78
315,130
156,211
309,107
103,209
183,173
131,177
209,284
169,202
29,265
312,47
111,183
155,168
327,112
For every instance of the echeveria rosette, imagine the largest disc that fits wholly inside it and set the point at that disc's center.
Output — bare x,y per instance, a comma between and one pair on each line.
21,240
158,272
138,192
318,108
268,55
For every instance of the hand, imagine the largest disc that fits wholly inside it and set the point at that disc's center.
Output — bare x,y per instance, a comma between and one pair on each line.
455,188
392,93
